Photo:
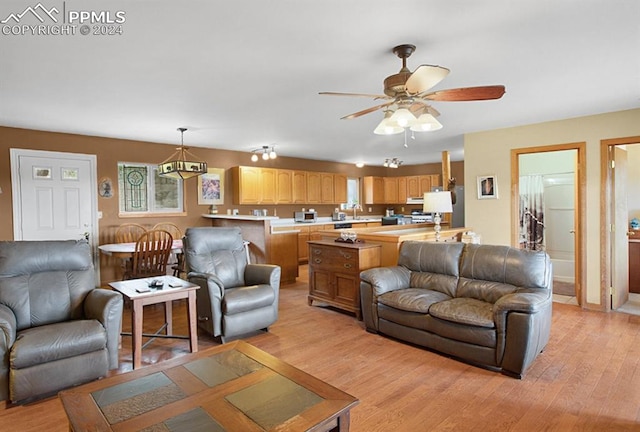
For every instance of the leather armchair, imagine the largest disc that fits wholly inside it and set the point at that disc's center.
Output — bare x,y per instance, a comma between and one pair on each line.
56,329
234,298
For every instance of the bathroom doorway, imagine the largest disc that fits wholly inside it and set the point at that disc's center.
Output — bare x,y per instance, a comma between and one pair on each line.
548,187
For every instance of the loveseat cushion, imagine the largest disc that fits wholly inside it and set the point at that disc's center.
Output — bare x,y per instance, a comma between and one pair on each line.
243,299
412,299
51,342
465,311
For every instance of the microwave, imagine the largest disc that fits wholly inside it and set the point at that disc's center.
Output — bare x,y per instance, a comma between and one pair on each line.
305,216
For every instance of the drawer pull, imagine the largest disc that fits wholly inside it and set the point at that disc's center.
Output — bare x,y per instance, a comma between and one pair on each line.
317,251
317,260
348,265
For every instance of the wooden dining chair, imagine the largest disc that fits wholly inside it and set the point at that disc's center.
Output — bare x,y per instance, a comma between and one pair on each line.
129,232
178,263
151,255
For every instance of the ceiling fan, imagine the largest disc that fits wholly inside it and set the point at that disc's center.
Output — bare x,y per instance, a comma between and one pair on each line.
408,97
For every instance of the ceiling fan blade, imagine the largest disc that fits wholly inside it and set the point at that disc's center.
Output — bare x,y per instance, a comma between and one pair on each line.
425,77
374,96
367,111
420,107
466,94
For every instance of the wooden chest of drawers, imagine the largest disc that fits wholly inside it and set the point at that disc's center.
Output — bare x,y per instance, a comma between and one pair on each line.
334,272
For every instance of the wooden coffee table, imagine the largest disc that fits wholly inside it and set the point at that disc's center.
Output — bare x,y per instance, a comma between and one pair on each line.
172,289
232,387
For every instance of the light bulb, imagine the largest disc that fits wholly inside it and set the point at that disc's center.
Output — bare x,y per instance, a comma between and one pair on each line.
254,158
272,154
265,156
403,117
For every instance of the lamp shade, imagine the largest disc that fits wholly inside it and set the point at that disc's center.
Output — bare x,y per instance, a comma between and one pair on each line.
437,202
403,117
388,126
426,122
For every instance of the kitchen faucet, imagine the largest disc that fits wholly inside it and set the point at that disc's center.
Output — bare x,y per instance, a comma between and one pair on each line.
355,207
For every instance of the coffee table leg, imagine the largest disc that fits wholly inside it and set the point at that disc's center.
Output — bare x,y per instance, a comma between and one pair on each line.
136,333
343,423
168,317
192,315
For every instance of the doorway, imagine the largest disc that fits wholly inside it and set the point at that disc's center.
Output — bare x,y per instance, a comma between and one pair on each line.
55,197
615,214
556,223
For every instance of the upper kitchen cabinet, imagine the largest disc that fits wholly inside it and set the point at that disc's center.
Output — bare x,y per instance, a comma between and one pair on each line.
246,185
284,183
314,188
373,190
390,190
299,187
339,188
268,186
326,194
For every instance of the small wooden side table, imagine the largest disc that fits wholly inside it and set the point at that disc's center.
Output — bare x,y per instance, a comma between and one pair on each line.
172,289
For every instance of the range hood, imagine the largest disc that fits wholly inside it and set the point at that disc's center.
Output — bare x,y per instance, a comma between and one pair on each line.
415,200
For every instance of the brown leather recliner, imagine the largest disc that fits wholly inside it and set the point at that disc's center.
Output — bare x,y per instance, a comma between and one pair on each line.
234,298
56,329
486,304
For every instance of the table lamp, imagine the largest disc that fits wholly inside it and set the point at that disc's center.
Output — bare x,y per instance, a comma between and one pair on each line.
436,203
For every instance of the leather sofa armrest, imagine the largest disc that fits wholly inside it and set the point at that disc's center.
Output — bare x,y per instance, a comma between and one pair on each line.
208,281
8,329
527,302
256,274
106,306
387,279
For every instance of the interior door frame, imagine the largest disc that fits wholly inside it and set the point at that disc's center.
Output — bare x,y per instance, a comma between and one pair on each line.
579,206
14,155
605,215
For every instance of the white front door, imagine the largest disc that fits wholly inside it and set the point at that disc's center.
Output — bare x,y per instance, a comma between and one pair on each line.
54,196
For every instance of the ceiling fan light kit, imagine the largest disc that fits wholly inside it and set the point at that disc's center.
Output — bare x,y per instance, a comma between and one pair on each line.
178,167
408,97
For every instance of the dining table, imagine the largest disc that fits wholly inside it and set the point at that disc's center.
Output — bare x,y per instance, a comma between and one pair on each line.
126,250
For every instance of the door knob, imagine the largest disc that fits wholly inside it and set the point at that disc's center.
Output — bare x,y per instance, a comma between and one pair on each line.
572,231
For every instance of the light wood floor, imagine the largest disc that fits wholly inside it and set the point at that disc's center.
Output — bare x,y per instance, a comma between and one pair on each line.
588,378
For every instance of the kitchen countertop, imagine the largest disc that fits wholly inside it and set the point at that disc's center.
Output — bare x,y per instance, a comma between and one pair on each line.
240,217
324,221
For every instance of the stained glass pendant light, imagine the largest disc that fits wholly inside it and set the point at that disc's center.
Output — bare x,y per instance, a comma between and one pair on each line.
177,166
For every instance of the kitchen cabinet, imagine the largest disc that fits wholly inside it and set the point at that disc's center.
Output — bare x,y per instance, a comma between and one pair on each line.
373,190
390,190
334,272
299,186
326,191
284,186
314,188
402,190
268,186
339,188
246,185
413,187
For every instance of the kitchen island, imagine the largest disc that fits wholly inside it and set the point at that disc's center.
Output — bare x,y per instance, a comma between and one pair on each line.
390,237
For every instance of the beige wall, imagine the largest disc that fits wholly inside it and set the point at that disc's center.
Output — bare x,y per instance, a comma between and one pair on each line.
633,181
490,152
110,151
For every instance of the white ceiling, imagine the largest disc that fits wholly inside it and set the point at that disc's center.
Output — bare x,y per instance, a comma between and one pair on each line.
246,73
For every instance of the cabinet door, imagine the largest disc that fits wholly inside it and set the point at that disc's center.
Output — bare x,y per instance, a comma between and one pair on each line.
435,180
268,185
402,190
314,188
320,282
345,288
284,190
339,188
246,182
390,190
425,184
413,186
373,190
327,188
299,193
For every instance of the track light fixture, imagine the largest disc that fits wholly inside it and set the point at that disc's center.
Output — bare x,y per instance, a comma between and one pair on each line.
266,152
392,163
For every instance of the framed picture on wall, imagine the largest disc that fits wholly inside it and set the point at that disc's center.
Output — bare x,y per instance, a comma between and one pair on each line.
487,187
211,187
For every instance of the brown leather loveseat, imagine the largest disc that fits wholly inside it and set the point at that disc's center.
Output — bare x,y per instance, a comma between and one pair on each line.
488,305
